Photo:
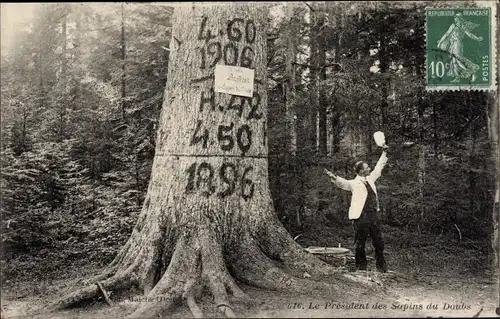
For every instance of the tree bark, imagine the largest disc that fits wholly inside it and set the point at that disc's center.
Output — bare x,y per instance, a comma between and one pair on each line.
64,45
62,106
290,91
336,123
472,147
311,123
435,131
421,159
359,137
123,57
370,129
322,106
384,85
290,104
421,151
41,86
338,13
208,217
76,55
494,120
494,134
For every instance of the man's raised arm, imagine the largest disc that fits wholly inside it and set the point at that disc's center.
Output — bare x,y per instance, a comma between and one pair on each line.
377,171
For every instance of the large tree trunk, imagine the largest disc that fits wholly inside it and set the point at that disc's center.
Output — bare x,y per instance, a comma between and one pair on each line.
358,132
322,106
336,123
123,58
208,216
76,55
290,108
64,46
41,83
312,112
494,126
435,131
290,91
421,162
384,85
472,146
421,150
63,104
494,134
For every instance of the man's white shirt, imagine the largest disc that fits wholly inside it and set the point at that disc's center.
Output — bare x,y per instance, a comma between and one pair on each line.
358,189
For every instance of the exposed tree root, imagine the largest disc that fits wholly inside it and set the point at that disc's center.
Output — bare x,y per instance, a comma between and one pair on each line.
192,264
193,307
198,262
108,272
177,281
91,291
255,268
217,276
120,280
110,269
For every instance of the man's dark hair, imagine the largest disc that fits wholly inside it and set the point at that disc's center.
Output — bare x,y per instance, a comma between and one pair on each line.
358,166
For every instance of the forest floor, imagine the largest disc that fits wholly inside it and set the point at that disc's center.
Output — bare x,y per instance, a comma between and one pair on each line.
425,282
456,296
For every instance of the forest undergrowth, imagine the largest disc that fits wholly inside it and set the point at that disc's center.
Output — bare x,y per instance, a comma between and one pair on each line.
407,252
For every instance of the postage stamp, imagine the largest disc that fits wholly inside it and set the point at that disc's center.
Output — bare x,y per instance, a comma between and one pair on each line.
461,48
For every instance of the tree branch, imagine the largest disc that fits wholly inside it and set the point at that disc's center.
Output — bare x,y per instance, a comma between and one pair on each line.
105,294
275,79
272,37
302,65
332,64
309,6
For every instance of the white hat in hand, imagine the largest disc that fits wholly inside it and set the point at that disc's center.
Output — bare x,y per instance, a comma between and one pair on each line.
379,138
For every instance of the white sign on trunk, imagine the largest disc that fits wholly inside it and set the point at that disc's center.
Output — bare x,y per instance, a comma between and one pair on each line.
234,80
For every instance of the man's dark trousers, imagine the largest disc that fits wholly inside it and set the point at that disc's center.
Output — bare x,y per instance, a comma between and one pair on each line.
368,224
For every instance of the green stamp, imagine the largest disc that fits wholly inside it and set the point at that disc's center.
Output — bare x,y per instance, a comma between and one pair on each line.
461,48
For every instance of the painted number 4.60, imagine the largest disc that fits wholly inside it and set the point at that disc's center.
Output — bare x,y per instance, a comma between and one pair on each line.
438,68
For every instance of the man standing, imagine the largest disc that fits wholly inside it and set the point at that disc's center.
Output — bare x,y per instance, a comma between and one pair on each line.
364,209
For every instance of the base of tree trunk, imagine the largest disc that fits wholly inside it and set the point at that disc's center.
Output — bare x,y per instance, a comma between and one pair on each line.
198,263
